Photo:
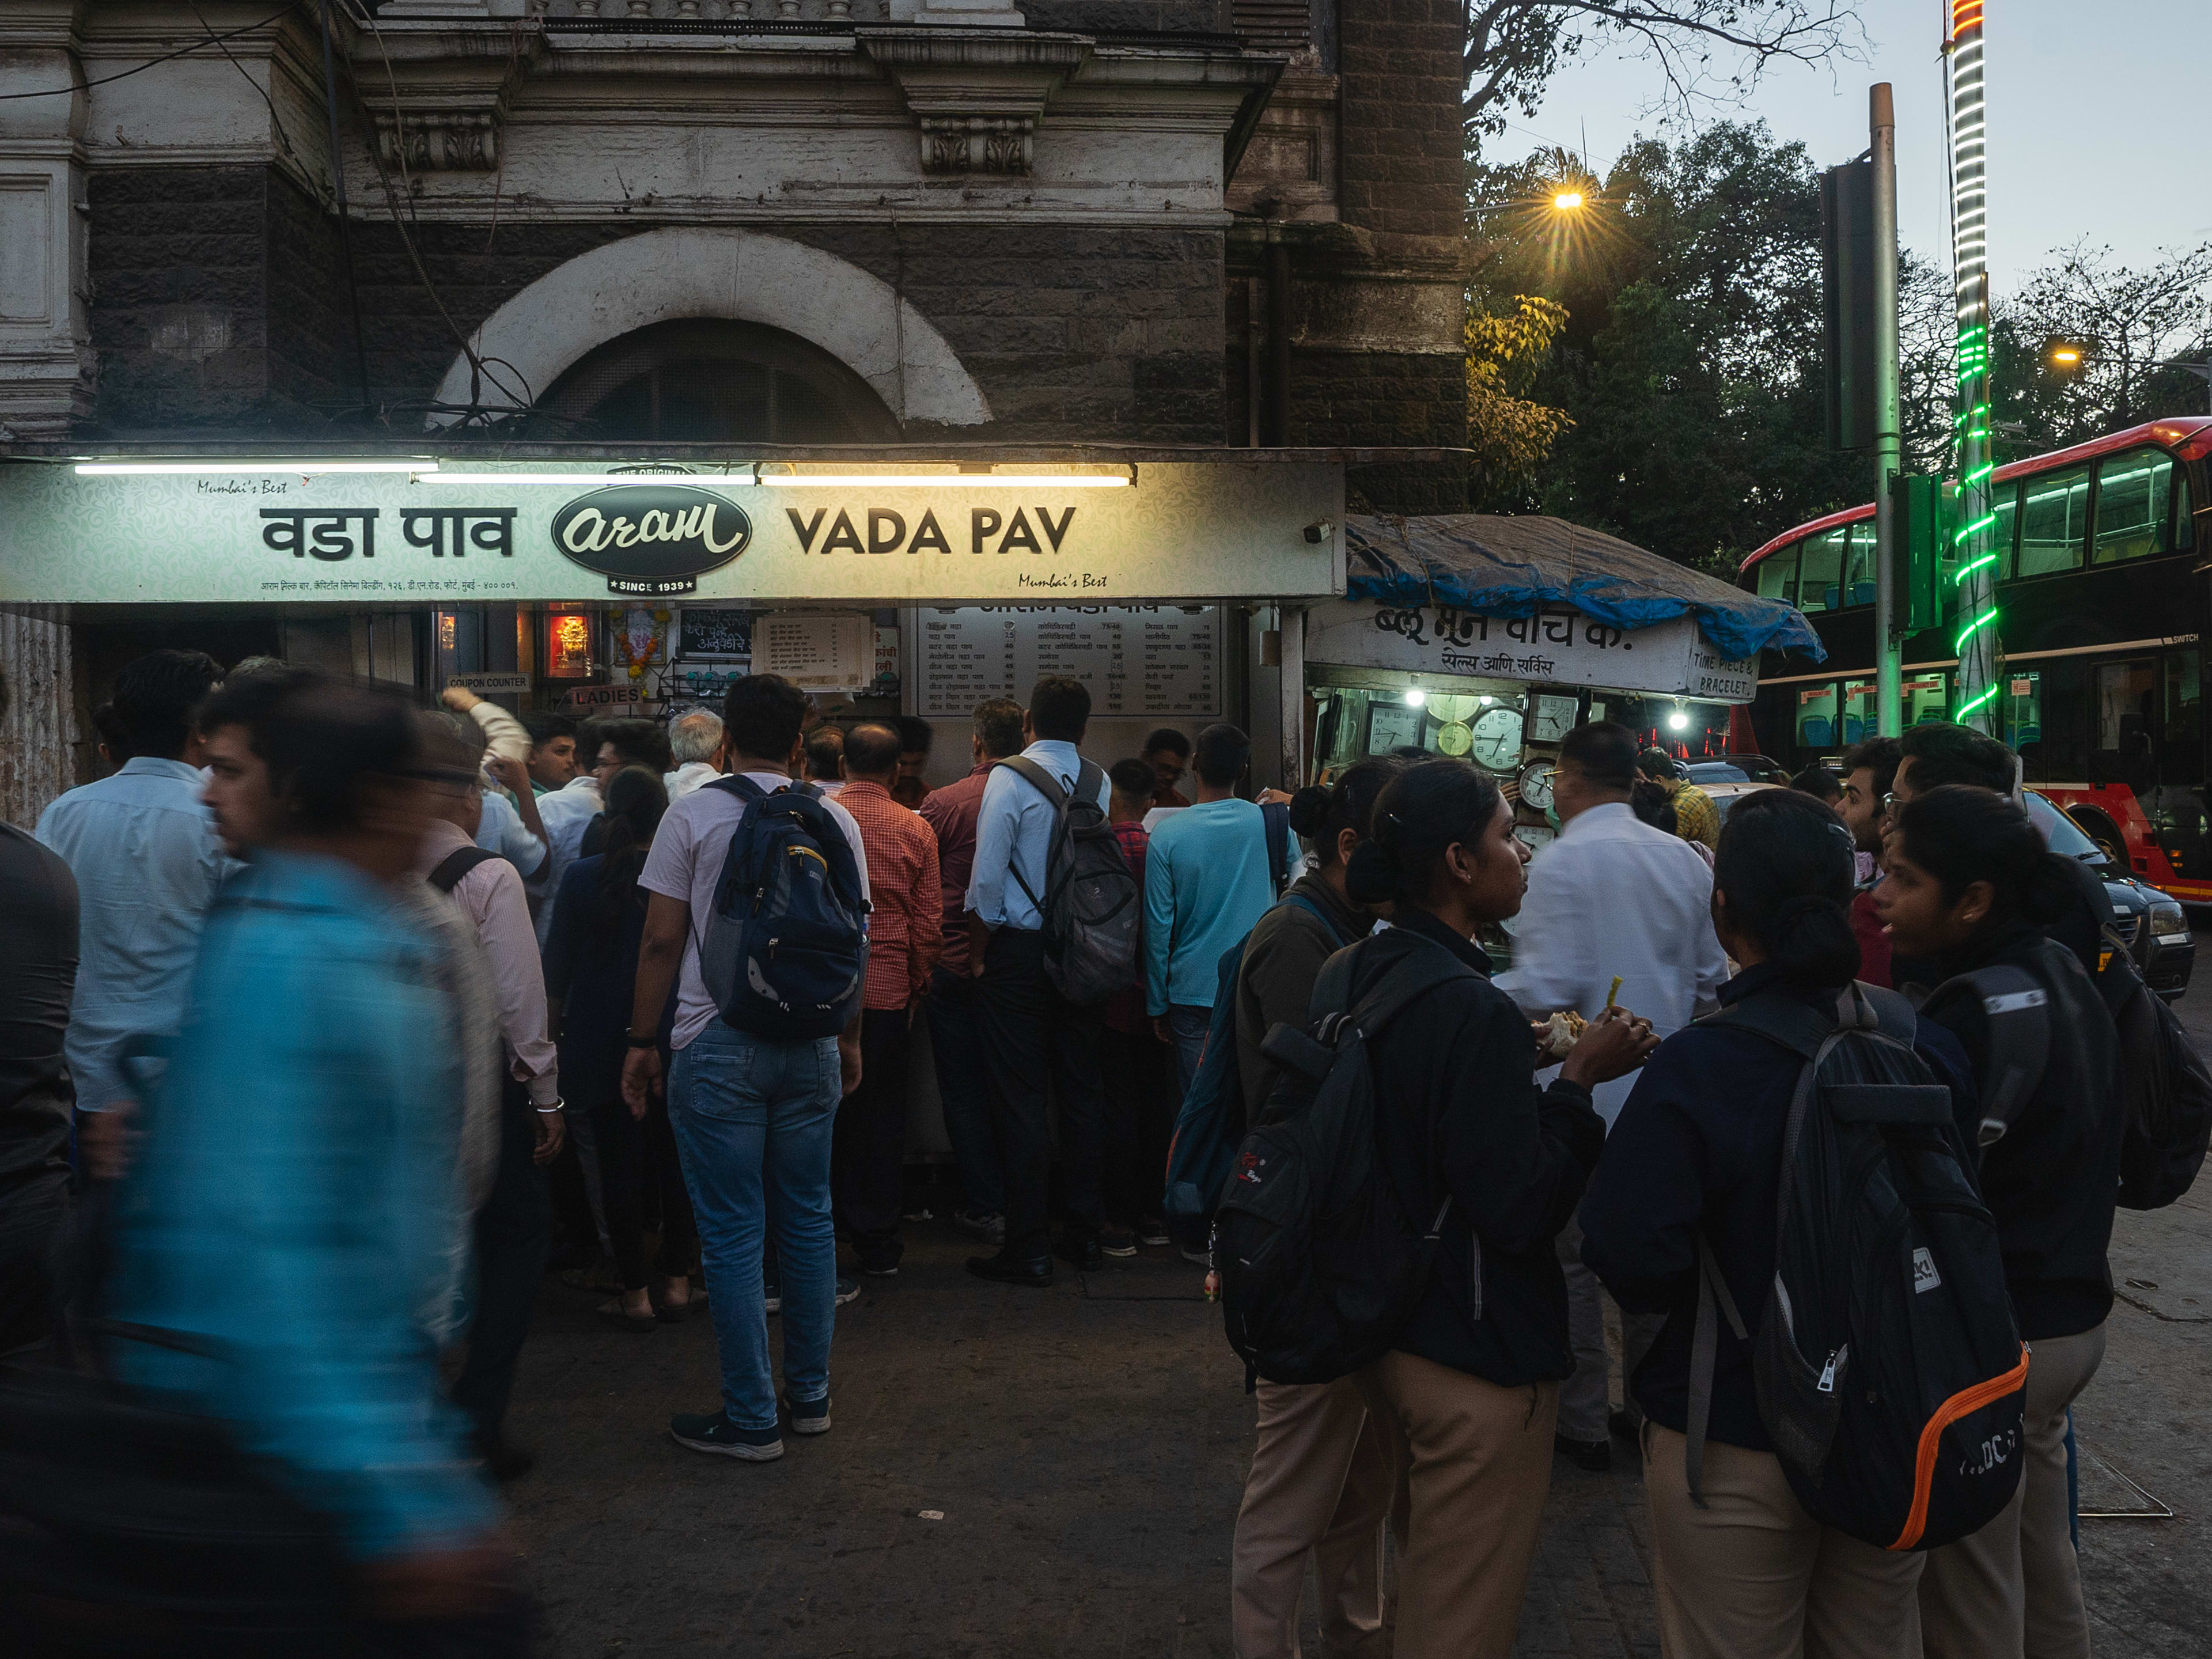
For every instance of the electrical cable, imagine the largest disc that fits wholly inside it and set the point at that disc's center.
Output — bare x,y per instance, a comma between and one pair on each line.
151,63
275,120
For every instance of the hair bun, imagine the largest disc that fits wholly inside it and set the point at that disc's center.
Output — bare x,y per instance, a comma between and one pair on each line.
1373,876
1310,810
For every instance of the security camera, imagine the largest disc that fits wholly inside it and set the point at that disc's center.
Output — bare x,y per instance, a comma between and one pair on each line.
1320,531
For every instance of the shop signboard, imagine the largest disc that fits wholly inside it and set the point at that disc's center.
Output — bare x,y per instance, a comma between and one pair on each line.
1557,646
489,684
604,696
1173,531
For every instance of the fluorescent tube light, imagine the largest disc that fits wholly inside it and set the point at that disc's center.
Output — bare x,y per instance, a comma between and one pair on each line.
595,480
302,468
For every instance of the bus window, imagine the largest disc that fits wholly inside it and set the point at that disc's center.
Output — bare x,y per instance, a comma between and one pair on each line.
1816,716
2054,517
2006,505
1820,571
1860,716
2184,522
2023,709
2134,494
1858,565
1926,700
1777,575
2181,758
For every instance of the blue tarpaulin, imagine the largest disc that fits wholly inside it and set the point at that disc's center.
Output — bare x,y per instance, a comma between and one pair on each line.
1512,566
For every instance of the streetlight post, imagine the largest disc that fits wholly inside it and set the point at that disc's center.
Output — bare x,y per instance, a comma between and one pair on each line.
1888,436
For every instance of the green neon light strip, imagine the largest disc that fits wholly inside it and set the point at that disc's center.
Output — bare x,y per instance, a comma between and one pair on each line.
1967,570
1966,708
1967,632
1979,473
1982,523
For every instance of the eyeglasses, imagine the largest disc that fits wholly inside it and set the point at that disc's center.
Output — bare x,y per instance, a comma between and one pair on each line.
1890,803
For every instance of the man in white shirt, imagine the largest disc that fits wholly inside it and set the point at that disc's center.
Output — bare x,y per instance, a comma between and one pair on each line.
694,742
143,849
1611,896
751,1114
514,1224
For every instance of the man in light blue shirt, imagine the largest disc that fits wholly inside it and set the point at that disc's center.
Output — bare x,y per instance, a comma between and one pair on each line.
1026,1025
147,863
1207,879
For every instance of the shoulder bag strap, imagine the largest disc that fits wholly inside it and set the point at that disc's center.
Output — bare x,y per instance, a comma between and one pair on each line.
1714,1300
1322,917
2018,1009
1056,797
457,864
737,784
1275,832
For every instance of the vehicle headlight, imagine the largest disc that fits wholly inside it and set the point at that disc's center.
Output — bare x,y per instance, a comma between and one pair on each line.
2168,919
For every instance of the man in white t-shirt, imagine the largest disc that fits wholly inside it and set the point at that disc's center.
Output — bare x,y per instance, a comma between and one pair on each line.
748,1111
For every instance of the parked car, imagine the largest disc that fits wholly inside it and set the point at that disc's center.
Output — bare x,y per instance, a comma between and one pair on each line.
1734,769
2152,924
1726,792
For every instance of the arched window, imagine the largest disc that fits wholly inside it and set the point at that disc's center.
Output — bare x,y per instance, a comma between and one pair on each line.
702,381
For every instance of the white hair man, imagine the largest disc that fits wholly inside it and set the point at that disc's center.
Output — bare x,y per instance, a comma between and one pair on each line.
694,742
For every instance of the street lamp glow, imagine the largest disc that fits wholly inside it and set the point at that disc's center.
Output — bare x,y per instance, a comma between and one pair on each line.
1678,721
2065,355
1567,200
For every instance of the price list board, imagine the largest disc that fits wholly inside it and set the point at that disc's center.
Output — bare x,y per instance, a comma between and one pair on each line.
1135,659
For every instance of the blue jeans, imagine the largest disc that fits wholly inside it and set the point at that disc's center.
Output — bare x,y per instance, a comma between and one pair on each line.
1188,1024
955,1039
752,1120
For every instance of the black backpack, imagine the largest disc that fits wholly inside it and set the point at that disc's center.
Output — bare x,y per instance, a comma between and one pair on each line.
1090,909
1890,1375
1321,1267
784,952
2166,1089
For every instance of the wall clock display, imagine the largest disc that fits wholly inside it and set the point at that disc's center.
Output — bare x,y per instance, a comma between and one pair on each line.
1536,782
1498,738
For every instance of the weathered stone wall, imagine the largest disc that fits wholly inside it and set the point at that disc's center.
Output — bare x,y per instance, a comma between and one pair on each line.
1403,174
1073,332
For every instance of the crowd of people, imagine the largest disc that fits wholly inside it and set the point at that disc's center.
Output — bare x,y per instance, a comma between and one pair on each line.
349,1012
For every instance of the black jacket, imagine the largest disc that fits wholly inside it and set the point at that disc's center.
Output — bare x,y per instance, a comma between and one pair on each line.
1698,1147
2054,1178
1457,1110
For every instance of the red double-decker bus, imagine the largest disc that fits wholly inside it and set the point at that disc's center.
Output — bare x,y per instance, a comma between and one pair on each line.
2103,552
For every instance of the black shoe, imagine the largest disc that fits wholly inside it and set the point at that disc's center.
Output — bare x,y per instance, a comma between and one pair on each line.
1623,1426
1153,1232
1117,1240
507,1461
1004,1269
1595,1455
716,1433
1085,1257
886,1268
807,1416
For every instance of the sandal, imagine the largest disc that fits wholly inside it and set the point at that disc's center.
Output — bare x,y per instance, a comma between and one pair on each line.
622,1318
675,1313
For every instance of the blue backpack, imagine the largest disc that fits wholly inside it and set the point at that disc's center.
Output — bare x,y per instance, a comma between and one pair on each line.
1209,1127
785,952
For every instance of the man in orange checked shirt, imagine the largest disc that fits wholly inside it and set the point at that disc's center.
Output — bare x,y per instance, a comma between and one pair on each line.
905,933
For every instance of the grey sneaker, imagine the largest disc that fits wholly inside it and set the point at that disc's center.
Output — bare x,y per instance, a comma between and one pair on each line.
807,1416
983,1223
848,1289
718,1435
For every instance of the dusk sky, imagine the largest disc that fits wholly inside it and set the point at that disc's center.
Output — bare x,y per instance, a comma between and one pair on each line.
2097,121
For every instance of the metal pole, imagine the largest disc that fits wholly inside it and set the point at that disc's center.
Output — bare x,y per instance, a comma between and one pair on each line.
345,228
1973,548
1889,437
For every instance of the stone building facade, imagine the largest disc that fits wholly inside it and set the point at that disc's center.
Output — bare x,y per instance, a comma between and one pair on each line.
1082,220
1189,222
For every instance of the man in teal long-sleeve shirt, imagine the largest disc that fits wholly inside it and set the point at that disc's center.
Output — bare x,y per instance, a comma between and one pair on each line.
292,1204
1206,881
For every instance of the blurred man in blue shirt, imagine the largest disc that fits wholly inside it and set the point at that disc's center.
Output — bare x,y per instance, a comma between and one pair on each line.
1207,879
1026,1024
293,1202
147,862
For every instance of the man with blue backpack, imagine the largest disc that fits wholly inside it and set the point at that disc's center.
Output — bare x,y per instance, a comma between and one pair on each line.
758,920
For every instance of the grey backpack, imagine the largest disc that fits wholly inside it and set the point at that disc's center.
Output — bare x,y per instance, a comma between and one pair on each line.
1090,907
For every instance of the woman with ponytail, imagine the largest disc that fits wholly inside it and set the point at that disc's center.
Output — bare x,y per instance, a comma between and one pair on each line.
1969,884
1695,1159
1322,1478
591,967
1465,1401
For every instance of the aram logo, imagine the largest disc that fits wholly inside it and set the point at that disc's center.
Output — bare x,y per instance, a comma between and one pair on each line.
650,538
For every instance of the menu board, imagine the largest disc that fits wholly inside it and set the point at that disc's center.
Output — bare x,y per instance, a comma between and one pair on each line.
714,633
1137,659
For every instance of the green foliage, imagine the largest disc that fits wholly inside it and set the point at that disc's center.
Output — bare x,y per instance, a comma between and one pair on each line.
1690,363
1511,433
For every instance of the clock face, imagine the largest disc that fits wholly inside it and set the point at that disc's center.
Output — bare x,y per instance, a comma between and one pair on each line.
1497,739
1535,837
1455,740
1536,783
